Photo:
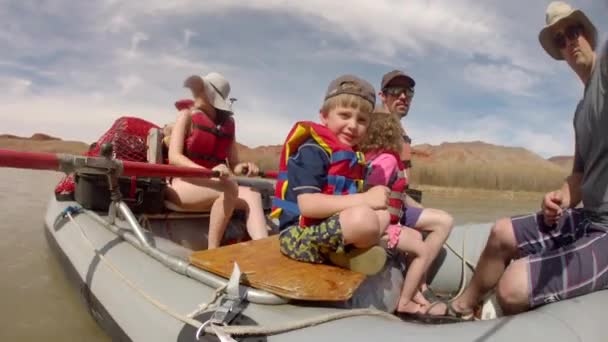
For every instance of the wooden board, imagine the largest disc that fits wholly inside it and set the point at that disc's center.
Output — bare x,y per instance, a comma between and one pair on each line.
265,267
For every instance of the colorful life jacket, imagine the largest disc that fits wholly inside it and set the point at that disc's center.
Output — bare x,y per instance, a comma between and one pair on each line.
398,184
346,170
209,143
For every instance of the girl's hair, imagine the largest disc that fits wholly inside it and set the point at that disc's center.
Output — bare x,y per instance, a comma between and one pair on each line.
383,134
347,101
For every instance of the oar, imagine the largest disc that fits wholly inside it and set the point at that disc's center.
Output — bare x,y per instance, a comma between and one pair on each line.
69,163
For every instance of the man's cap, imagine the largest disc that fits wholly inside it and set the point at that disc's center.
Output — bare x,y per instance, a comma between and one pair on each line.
390,76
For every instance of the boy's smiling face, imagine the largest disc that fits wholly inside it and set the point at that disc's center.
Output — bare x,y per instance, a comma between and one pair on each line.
348,124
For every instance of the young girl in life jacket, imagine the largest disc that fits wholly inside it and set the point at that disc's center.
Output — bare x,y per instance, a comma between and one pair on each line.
381,147
203,137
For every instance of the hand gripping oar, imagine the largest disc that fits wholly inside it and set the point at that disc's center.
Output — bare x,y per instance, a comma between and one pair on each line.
262,174
69,163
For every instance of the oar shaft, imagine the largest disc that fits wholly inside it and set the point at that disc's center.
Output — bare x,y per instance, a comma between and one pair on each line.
159,170
29,160
70,163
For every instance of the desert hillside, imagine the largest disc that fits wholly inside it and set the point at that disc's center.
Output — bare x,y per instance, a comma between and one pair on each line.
464,164
563,161
41,143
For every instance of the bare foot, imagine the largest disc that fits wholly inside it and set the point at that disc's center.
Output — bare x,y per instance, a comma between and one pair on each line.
419,299
409,307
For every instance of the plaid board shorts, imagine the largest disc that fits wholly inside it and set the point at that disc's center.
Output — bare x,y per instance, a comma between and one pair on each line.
313,243
564,261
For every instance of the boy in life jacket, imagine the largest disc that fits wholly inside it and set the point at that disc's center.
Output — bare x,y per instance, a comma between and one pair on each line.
204,137
381,147
323,214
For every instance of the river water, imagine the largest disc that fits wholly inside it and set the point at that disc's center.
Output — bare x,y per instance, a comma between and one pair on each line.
39,304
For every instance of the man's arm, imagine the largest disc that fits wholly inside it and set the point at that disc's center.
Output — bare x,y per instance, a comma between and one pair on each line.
571,190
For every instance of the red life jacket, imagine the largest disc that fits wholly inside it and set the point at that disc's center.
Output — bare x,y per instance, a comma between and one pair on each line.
209,143
398,185
346,170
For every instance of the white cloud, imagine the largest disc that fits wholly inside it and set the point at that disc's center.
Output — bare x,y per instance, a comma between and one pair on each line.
12,86
188,34
137,38
501,78
547,140
130,57
128,83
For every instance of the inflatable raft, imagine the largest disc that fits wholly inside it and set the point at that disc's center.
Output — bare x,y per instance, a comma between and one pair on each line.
148,277
138,295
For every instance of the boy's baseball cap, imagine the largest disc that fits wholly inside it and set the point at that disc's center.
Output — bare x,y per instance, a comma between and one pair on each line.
350,84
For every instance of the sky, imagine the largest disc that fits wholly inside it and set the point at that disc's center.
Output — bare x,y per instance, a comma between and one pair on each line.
70,68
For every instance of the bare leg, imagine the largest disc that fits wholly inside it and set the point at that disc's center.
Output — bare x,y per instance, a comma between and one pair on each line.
218,196
361,226
251,201
500,249
410,241
512,289
438,224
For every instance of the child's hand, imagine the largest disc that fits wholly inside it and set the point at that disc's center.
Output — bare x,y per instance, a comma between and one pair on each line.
223,170
377,197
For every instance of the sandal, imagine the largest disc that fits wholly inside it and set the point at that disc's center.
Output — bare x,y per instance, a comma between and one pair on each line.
456,316
429,295
450,316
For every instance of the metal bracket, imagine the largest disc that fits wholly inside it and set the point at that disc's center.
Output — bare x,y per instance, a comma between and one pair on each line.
230,306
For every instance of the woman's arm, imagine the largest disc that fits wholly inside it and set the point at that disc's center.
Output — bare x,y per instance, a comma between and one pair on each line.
178,138
233,155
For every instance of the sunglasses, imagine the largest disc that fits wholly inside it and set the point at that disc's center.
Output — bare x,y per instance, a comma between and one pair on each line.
571,32
397,91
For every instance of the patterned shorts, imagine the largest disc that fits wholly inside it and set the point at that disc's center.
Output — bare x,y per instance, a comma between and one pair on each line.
313,243
565,261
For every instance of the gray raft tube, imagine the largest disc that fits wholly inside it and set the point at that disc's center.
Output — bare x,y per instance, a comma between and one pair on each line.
138,239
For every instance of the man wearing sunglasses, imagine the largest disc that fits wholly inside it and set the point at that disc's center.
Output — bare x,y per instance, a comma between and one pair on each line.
397,91
562,251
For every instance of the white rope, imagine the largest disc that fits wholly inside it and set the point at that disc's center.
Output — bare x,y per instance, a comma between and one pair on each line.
234,330
203,306
464,263
132,285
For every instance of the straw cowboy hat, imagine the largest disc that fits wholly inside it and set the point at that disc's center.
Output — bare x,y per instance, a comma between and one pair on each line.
217,89
556,12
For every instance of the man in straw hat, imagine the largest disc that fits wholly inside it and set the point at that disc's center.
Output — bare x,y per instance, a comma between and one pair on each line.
562,251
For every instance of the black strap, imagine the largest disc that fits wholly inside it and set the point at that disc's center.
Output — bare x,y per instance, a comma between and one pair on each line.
218,133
